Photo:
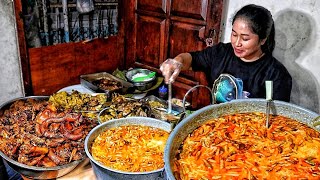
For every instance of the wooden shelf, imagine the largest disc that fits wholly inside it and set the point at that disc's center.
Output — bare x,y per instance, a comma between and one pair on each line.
73,5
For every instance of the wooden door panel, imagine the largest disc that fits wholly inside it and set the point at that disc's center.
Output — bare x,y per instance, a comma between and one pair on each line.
166,28
190,41
151,41
196,9
185,37
152,5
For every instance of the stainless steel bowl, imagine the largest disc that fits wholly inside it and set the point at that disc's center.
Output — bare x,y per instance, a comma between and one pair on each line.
143,85
190,123
103,172
34,172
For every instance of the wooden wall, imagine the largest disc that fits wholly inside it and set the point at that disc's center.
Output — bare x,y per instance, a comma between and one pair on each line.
55,67
47,69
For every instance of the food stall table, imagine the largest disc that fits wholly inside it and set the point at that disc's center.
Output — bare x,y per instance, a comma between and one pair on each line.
83,171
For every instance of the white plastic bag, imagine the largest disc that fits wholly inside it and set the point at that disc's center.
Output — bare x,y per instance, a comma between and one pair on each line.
85,6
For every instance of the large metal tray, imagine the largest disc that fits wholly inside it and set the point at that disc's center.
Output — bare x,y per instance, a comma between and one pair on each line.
88,79
34,172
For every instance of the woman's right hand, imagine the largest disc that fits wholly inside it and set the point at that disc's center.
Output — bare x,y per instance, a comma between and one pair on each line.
170,69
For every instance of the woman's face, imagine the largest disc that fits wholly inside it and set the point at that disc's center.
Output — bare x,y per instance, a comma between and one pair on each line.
246,44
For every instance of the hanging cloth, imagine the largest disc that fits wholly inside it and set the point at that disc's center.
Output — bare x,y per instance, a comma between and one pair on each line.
85,6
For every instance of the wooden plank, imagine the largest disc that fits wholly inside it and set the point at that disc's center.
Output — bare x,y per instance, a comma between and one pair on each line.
196,9
152,5
130,33
148,49
55,67
23,52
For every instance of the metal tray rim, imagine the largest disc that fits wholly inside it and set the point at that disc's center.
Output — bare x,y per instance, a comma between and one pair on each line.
87,79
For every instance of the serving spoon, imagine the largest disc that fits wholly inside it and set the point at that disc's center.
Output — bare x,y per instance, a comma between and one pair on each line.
269,93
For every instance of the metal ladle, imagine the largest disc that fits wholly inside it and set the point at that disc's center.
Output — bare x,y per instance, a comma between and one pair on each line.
269,93
169,98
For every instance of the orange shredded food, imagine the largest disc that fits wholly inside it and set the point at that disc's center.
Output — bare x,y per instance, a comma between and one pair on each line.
239,146
133,148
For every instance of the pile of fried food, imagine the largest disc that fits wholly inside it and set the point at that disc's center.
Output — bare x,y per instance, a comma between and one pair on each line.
239,146
42,133
107,84
133,148
87,104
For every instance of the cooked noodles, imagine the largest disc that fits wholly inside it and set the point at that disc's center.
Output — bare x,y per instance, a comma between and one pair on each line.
133,148
239,146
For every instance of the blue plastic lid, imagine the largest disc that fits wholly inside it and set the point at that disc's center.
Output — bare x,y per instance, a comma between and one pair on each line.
163,89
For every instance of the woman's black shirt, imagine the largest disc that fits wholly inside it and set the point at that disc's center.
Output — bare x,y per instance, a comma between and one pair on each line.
220,59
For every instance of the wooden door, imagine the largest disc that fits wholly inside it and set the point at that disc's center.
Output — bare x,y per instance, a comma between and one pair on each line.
159,29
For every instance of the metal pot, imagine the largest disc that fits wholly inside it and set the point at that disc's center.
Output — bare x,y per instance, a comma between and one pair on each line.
190,123
143,85
33,171
103,172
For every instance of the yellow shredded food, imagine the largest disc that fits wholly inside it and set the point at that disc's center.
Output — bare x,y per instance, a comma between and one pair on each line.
133,148
239,146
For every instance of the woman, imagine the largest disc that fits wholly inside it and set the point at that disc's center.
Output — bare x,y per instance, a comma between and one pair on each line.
248,57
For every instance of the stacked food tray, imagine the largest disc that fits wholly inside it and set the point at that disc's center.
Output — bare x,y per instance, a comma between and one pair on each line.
106,83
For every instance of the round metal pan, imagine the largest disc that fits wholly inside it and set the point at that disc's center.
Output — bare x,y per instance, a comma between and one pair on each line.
190,123
102,172
34,172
